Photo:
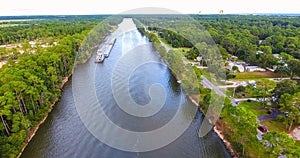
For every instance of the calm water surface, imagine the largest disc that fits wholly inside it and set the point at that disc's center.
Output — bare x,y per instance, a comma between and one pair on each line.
64,135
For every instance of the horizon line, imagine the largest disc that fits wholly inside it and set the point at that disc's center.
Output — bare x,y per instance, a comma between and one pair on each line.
151,14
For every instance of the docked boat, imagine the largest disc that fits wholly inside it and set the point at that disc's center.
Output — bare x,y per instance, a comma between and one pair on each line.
100,57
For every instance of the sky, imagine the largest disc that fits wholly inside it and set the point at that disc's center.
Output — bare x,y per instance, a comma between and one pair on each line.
78,7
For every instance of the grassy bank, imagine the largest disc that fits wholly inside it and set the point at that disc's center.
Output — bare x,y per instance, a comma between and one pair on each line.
257,75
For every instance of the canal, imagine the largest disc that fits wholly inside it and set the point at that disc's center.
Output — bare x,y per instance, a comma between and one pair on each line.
64,133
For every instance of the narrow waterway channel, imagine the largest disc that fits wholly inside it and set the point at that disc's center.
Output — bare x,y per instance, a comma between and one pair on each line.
64,135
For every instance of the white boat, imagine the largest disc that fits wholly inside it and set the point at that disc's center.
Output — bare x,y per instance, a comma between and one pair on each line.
104,50
100,57
99,51
108,47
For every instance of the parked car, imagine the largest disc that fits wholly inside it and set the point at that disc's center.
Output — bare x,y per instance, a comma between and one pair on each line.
262,129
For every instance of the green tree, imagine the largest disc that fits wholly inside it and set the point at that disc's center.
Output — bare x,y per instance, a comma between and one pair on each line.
285,57
294,65
245,120
283,70
264,88
235,68
285,86
290,104
279,143
266,49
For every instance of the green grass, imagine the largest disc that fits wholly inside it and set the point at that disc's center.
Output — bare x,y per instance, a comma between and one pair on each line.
182,50
211,77
274,125
253,149
256,75
248,93
229,92
255,107
258,110
164,41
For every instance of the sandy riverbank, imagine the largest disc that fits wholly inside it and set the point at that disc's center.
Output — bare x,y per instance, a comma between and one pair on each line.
219,132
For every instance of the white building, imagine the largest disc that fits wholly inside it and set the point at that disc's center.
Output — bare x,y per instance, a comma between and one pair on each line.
259,52
254,68
273,69
239,65
199,58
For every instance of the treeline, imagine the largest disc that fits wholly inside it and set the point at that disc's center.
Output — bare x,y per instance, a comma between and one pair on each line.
253,39
238,125
244,36
279,33
32,82
46,28
29,87
173,38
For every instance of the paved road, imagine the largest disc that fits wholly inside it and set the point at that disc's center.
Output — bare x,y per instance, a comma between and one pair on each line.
201,67
229,86
197,64
279,79
207,84
273,115
245,99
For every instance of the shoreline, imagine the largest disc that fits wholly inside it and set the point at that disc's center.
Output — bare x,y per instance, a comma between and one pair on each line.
219,132
216,129
33,130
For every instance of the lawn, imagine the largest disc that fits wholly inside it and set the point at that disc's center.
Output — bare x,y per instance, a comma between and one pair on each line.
255,107
229,92
256,75
258,110
183,50
253,149
164,41
248,93
274,125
